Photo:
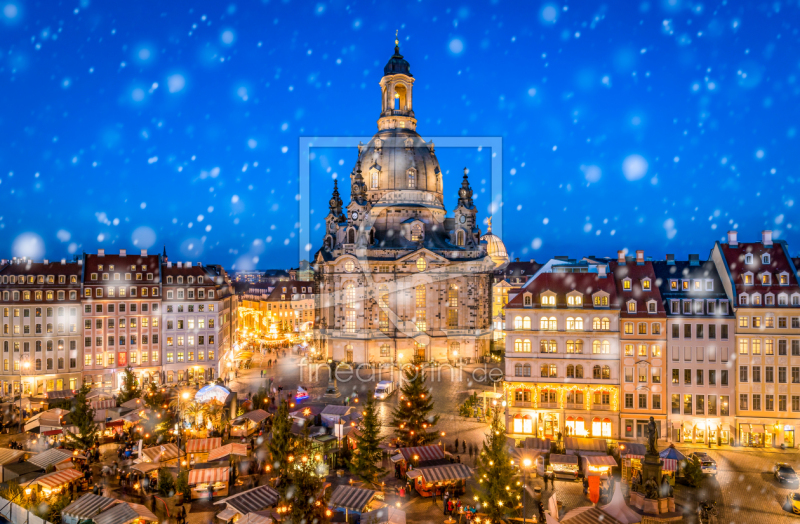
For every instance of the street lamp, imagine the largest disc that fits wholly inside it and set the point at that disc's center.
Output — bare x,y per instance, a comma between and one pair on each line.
526,463
23,365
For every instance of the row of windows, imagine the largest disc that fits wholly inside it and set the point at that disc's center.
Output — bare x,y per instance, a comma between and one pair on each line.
691,284
201,340
572,300
572,323
641,350
179,294
121,292
573,397
188,374
753,346
190,323
189,356
769,322
700,331
26,346
769,403
190,308
117,276
642,404
37,312
25,329
769,299
39,295
572,346
643,374
98,340
697,403
109,358
120,322
754,374
699,354
551,371
39,279
699,377
698,307
73,363
655,328
121,307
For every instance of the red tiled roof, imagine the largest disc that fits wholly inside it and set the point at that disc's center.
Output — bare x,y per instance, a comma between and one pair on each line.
779,262
563,283
121,264
637,273
279,295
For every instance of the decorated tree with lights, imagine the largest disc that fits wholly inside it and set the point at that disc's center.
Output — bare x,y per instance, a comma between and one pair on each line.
303,499
82,417
130,389
282,441
498,492
367,456
413,423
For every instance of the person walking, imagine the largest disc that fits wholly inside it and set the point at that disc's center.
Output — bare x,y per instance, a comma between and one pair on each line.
456,444
470,451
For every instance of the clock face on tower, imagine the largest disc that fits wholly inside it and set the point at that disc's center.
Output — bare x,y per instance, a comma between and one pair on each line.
463,219
355,215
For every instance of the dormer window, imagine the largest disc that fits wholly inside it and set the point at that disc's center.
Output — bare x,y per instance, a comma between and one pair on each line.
784,279
748,259
626,284
709,285
646,284
526,300
651,306
698,285
416,233
548,300
748,279
765,258
766,279
743,300
631,306
422,264
673,285
601,301
685,285
574,300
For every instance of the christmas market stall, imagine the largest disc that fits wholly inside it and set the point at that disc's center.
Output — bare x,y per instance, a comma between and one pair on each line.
385,515
51,457
199,448
632,455
436,479
418,456
125,513
674,461
564,466
105,413
147,470
598,465
9,457
54,482
585,446
350,499
209,483
224,452
250,501
247,424
165,454
86,508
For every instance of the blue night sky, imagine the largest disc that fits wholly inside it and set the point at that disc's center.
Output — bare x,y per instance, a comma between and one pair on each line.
651,125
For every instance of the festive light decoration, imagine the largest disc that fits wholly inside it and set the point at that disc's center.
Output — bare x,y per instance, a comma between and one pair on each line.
587,390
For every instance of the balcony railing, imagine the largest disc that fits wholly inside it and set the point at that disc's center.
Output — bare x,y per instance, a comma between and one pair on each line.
550,405
605,407
573,405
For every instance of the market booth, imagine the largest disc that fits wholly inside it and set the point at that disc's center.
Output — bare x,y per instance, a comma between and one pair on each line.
55,482
673,461
585,446
631,455
164,454
51,457
246,502
209,483
246,424
86,508
9,457
598,466
357,500
452,477
199,448
564,466
418,456
385,515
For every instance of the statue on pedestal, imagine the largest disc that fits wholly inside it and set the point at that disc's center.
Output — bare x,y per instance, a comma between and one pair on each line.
652,437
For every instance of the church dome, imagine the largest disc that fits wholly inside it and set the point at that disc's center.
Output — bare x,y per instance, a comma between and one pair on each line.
398,163
495,248
397,65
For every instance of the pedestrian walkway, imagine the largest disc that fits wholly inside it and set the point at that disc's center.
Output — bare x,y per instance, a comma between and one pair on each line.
688,448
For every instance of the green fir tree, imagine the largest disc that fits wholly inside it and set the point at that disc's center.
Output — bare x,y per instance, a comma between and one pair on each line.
367,456
130,389
498,492
413,423
282,442
82,417
302,492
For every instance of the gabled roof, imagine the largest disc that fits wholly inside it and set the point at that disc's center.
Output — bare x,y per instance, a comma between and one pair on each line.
563,283
637,273
779,262
684,270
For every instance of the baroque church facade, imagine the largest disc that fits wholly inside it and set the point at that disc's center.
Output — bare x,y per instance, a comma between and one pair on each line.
399,280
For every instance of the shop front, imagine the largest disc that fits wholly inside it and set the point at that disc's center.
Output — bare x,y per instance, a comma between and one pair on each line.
753,435
704,431
209,483
547,424
576,426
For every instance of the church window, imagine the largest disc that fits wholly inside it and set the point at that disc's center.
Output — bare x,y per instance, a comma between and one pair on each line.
412,179
351,236
374,180
350,307
420,317
422,264
416,233
460,238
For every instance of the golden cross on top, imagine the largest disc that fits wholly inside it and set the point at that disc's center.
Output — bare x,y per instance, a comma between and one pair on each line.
396,40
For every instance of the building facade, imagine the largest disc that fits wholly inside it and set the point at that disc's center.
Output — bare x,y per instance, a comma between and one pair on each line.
399,280
700,372
760,280
562,353
642,346
122,315
42,326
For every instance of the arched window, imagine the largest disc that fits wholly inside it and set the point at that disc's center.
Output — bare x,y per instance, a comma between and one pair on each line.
578,324
460,238
60,363
597,427
526,323
606,373
60,344
350,307
553,371
518,370
416,233
606,325
570,371
374,179
526,370
606,347
543,324
756,299
526,300
596,372
642,350
596,347
351,237
38,364
412,178
578,371
517,322
596,323
49,345
60,311
552,324
49,363
574,346
570,323
547,346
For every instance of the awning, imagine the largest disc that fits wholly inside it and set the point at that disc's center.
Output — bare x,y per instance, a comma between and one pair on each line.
446,473
104,404
756,428
52,432
414,473
162,453
227,450
424,453
88,506
202,445
257,415
601,461
251,500
51,457
197,476
58,478
64,393
119,514
725,427
537,444
118,422
143,512
226,514
385,515
670,465
584,446
397,458
10,456
348,497
633,450
146,467
65,465
257,518
568,460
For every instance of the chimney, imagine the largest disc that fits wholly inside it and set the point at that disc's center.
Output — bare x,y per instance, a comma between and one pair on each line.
694,260
46,261
670,259
766,237
187,264
101,252
621,256
199,264
732,241
169,264
601,271
533,261
123,252
639,257
516,260
63,261
144,252
80,261
180,264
